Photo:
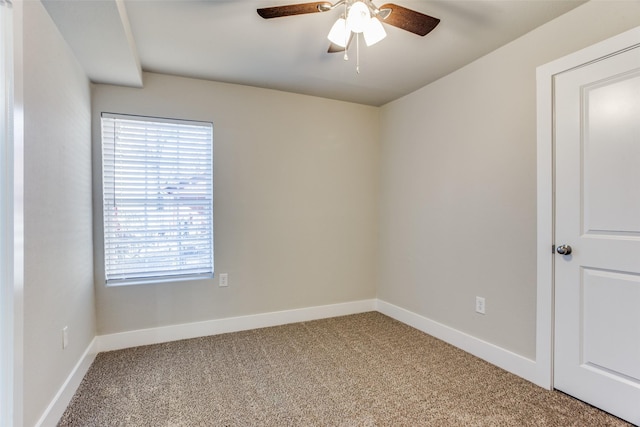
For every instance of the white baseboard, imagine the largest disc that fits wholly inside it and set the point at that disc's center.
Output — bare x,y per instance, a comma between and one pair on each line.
101,343
56,408
140,337
505,359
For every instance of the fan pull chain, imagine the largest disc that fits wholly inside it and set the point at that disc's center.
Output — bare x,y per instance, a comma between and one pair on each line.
358,53
346,33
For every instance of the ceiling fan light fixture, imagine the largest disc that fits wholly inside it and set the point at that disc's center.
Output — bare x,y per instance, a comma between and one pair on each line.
358,17
374,32
339,34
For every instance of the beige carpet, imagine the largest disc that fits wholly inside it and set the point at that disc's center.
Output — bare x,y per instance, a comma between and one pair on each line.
360,370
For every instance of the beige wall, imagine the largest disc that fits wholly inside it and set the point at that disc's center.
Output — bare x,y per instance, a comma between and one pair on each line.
58,263
428,201
458,184
295,202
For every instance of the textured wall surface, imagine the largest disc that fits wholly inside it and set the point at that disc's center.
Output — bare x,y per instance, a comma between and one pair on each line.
295,202
458,184
58,261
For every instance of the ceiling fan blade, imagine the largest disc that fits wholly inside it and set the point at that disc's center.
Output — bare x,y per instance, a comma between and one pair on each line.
334,48
293,9
409,20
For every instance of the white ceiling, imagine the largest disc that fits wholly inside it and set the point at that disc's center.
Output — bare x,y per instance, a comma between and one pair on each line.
226,40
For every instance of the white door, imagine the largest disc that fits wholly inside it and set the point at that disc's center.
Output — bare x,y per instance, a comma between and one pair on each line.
597,214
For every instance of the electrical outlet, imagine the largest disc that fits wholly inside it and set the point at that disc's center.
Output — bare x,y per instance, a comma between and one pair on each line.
480,306
65,337
224,280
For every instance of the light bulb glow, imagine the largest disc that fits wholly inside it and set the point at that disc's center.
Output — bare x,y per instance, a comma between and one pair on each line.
358,17
374,32
339,34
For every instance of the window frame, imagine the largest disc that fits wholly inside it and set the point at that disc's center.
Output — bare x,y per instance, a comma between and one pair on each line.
160,278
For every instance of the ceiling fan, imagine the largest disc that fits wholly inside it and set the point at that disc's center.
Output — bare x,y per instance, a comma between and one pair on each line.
359,16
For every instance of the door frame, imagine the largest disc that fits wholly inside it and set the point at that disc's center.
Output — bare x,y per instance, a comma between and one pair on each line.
12,216
546,189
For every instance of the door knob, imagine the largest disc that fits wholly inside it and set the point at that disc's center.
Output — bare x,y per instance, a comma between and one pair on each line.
564,250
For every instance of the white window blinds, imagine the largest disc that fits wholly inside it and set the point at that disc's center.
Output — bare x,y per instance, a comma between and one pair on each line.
157,183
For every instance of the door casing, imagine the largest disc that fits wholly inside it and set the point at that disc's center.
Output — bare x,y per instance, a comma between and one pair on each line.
546,189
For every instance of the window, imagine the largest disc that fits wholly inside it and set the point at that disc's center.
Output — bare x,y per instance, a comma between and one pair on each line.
157,183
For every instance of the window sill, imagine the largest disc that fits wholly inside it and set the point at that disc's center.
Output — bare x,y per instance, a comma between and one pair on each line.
157,280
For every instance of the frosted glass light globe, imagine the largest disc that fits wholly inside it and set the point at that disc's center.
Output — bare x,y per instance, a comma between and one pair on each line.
358,17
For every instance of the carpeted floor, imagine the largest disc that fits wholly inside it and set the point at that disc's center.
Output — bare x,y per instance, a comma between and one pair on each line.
360,370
